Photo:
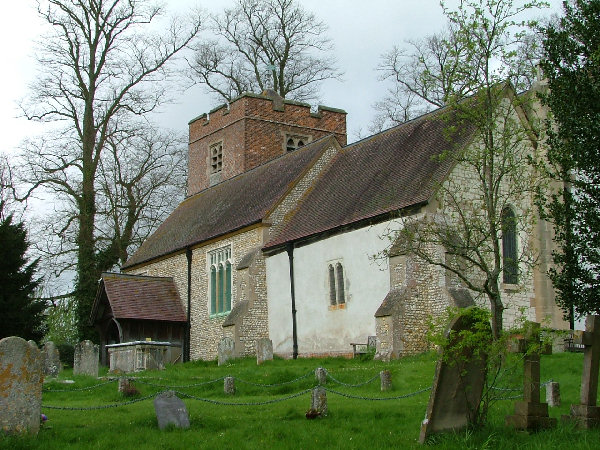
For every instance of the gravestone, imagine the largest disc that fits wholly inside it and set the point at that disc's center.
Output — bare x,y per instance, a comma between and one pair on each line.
170,410
553,394
321,375
51,359
21,378
318,401
85,360
457,388
229,385
226,350
386,380
587,413
124,384
530,413
264,350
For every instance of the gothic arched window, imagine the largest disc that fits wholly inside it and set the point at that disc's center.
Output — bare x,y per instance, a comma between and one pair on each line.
510,259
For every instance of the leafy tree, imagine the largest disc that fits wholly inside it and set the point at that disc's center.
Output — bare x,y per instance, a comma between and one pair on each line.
22,314
265,44
493,201
102,70
571,65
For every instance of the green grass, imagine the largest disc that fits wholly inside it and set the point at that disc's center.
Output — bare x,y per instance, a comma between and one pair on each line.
351,423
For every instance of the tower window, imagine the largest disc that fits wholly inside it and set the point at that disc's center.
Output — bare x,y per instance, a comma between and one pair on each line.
216,157
294,141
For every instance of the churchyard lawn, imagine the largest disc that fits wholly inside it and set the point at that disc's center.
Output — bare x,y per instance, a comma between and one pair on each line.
353,421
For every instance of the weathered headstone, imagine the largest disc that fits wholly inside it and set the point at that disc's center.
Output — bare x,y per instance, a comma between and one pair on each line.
264,350
124,384
587,413
321,375
457,388
51,359
530,413
386,380
553,394
32,343
318,402
229,385
85,361
226,350
21,378
170,410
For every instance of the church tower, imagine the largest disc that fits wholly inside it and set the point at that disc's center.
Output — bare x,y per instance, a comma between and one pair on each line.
251,130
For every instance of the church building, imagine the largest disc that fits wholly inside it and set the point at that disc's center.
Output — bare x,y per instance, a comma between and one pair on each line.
283,232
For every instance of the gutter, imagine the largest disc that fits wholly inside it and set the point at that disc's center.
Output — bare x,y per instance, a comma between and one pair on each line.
188,325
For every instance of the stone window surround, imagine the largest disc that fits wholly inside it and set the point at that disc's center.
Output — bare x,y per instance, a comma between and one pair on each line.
510,264
215,157
297,140
336,285
218,262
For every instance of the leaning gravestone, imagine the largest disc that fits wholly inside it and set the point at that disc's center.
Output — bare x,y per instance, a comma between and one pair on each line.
170,410
21,378
457,388
226,350
51,359
85,361
264,350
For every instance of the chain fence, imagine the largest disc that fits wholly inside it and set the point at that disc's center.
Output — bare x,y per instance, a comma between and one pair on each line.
88,388
364,383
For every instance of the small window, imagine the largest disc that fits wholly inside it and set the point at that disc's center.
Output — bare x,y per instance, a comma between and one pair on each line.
510,259
337,291
293,141
216,158
220,280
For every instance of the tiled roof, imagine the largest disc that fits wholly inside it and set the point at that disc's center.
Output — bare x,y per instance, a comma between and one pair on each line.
141,297
230,205
385,173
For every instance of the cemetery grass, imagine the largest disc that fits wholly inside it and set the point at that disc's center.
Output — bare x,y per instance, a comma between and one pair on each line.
350,423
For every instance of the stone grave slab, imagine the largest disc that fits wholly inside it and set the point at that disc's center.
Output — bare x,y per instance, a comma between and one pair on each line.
264,350
21,378
457,389
86,359
52,363
170,410
226,350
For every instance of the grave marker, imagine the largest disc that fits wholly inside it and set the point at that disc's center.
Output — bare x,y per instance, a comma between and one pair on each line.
587,413
321,376
457,387
530,413
386,380
170,410
226,350
229,385
21,378
85,360
51,359
264,350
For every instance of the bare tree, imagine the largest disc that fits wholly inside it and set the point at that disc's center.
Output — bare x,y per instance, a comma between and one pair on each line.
429,72
265,44
487,201
99,66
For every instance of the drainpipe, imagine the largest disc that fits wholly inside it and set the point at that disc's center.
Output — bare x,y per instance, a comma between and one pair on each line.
290,251
187,346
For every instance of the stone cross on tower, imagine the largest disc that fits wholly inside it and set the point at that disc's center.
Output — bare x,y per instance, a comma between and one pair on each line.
530,413
587,414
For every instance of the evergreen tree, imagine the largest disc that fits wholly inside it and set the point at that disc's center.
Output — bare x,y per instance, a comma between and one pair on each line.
572,67
20,313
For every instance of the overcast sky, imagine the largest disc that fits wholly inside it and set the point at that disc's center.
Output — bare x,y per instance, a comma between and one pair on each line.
360,30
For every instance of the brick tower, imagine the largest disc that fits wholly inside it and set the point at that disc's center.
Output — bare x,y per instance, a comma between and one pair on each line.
252,130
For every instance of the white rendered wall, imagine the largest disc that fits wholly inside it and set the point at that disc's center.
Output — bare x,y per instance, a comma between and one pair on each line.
320,328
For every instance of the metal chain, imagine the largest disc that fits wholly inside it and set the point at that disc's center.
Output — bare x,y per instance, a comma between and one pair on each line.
139,380
356,397
274,384
370,380
266,402
90,408
89,388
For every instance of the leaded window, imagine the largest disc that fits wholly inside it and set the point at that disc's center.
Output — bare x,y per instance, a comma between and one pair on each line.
220,280
510,260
